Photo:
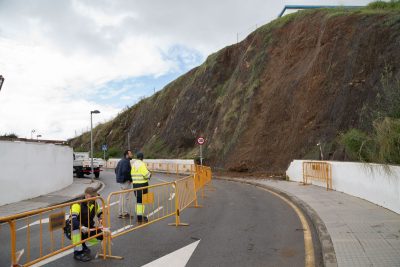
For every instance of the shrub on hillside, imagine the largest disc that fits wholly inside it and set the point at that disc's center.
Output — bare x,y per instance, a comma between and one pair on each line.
359,146
388,140
393,4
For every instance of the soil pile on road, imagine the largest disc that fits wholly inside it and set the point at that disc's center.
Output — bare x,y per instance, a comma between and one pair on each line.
298,81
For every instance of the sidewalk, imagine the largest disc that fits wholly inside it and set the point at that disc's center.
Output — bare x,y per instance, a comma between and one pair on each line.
75,190
362,233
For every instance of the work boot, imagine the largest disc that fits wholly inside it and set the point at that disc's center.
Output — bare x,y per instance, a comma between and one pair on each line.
126,215
142,219
82,257
86,250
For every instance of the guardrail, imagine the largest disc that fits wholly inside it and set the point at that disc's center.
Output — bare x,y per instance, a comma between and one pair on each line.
55,217
157,202
318,171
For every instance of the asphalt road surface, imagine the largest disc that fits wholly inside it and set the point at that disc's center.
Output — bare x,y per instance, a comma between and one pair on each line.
239,225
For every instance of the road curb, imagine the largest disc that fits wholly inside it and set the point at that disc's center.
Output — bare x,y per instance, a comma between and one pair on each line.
98,188
328,251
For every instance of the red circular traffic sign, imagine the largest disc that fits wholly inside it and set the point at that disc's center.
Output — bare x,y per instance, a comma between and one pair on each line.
201,140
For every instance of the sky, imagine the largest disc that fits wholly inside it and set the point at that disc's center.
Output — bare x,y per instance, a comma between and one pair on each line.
62,59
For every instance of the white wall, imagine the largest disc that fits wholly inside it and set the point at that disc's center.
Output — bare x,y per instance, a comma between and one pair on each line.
169,165
376,183
162,165
28,170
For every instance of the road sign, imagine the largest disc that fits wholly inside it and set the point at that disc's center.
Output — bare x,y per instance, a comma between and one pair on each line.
104,147
201,140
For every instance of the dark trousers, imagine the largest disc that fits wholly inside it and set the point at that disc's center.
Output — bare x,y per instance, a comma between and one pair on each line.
139,195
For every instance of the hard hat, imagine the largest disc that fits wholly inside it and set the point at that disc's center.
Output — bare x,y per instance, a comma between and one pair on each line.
139,155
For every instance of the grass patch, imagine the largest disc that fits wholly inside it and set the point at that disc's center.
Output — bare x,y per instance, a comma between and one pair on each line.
392,5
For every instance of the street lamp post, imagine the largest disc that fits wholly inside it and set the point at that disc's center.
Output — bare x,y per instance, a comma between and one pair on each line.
37,137
1,81
32,132
91,140
320,150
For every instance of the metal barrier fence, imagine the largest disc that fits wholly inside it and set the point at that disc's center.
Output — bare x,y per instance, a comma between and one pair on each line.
156,202
202,176
319,171
33,248
153,203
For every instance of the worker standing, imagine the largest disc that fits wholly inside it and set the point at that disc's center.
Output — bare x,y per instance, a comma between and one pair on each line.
83,224
140,178
124,179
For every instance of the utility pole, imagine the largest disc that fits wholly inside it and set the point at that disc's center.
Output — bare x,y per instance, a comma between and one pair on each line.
91,140
129,143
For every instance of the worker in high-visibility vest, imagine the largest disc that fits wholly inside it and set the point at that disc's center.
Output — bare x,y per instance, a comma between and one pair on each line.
83,225
140,178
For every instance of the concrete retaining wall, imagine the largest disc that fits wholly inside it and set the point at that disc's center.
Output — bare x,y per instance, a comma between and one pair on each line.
379,184
162,165
28,170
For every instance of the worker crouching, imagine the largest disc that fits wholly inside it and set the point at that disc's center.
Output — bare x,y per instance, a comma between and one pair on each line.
83,225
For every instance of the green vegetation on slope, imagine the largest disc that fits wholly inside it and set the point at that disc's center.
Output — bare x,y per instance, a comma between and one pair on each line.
392,5
382,144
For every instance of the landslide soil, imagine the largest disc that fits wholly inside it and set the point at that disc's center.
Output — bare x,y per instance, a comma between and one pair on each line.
295,82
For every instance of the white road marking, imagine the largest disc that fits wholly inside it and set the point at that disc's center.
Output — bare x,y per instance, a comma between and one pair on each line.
178,258
55,257
113,203
155,211
45,220
70,251
171,196
121,229
162,180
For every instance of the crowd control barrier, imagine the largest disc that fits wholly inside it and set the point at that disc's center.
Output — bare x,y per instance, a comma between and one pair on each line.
158,202
317,171
155,203
28,247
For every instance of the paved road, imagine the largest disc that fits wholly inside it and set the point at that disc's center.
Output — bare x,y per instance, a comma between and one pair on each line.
239,225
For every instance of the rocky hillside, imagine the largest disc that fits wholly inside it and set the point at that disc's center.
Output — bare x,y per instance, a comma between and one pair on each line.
298,81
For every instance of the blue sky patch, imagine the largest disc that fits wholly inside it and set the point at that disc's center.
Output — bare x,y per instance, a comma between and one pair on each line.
127,92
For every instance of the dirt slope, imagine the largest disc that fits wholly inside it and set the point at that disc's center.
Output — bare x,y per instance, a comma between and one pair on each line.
297,81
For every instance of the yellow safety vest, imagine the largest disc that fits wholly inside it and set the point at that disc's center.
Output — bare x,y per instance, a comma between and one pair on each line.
139,172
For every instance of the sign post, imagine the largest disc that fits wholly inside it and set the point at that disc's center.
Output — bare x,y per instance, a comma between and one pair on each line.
201,141
104,148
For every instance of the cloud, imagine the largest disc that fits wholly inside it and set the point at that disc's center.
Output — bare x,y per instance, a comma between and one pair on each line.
63,58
